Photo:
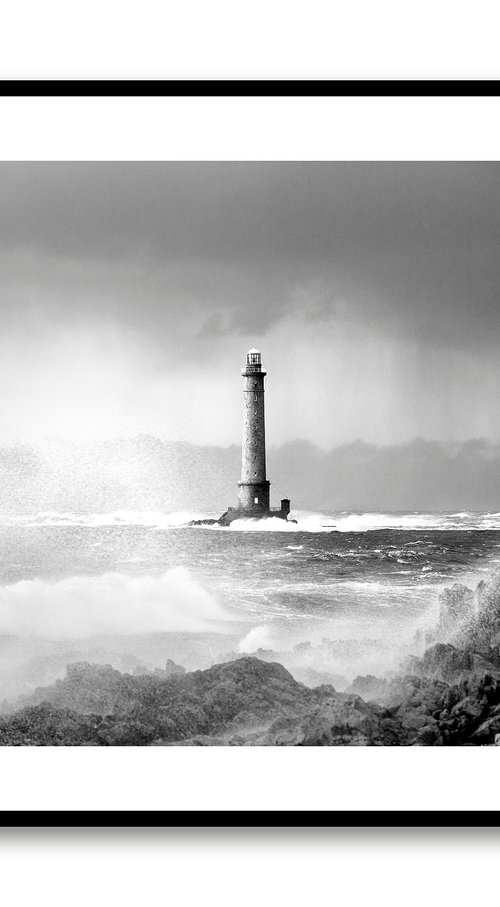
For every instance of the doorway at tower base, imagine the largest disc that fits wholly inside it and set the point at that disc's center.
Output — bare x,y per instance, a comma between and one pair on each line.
248,513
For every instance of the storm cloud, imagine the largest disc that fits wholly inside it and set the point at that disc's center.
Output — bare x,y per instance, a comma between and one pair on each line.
129,293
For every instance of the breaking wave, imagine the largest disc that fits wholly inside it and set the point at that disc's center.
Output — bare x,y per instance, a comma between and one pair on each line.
117,518
110,604
306,521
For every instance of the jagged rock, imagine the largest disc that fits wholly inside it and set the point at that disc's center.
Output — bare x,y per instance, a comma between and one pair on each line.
345,720
489,730
44,725
207,522
369,687
245,702
481,663
87,688
428,735
456,605
469,709
171,668
303,648
196,741
445,661
450,697
127,732
484,625
313,678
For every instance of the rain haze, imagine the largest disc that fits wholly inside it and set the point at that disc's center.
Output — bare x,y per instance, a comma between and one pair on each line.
130,293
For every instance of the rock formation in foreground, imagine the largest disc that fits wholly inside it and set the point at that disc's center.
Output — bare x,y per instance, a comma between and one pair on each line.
450,696
245,702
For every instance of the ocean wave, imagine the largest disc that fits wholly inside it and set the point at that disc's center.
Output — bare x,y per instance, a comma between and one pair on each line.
347,522
305,521
109,604
271,524
369,522
117,518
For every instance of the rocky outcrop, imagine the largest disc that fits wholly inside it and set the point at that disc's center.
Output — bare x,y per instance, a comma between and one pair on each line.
369,687
462,709
468,619
343,720
171,669
247,702
456,604
449,696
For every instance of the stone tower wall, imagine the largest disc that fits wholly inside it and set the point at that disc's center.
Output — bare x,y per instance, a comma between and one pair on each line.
253,492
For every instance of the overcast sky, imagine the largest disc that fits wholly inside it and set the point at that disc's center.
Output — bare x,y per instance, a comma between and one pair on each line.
131,292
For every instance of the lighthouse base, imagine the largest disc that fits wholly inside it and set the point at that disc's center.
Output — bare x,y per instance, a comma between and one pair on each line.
254,498
254,513
241,513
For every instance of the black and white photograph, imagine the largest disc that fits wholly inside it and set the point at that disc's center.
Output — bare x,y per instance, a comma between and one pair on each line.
249,454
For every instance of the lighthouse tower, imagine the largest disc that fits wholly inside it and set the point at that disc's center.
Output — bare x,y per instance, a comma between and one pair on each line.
254,487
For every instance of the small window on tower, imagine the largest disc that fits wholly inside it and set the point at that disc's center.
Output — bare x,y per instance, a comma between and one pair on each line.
256,500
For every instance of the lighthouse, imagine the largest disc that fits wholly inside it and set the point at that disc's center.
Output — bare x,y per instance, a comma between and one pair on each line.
254,486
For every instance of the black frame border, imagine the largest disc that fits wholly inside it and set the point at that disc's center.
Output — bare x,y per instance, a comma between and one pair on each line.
249,818
247,88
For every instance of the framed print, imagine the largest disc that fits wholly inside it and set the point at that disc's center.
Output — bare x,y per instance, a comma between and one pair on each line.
249,453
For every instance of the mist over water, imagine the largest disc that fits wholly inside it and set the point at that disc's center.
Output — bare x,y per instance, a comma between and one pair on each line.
300,521
108,604
365,582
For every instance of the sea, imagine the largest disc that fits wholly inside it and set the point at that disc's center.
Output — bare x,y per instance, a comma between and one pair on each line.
366,585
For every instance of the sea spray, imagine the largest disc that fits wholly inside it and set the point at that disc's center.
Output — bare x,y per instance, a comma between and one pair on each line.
117,518
349,522
112,603
306,521
367,591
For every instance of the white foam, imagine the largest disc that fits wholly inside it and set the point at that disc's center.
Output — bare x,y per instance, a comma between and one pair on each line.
258,638
109,604
306,521
362,522
271,524
146,518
